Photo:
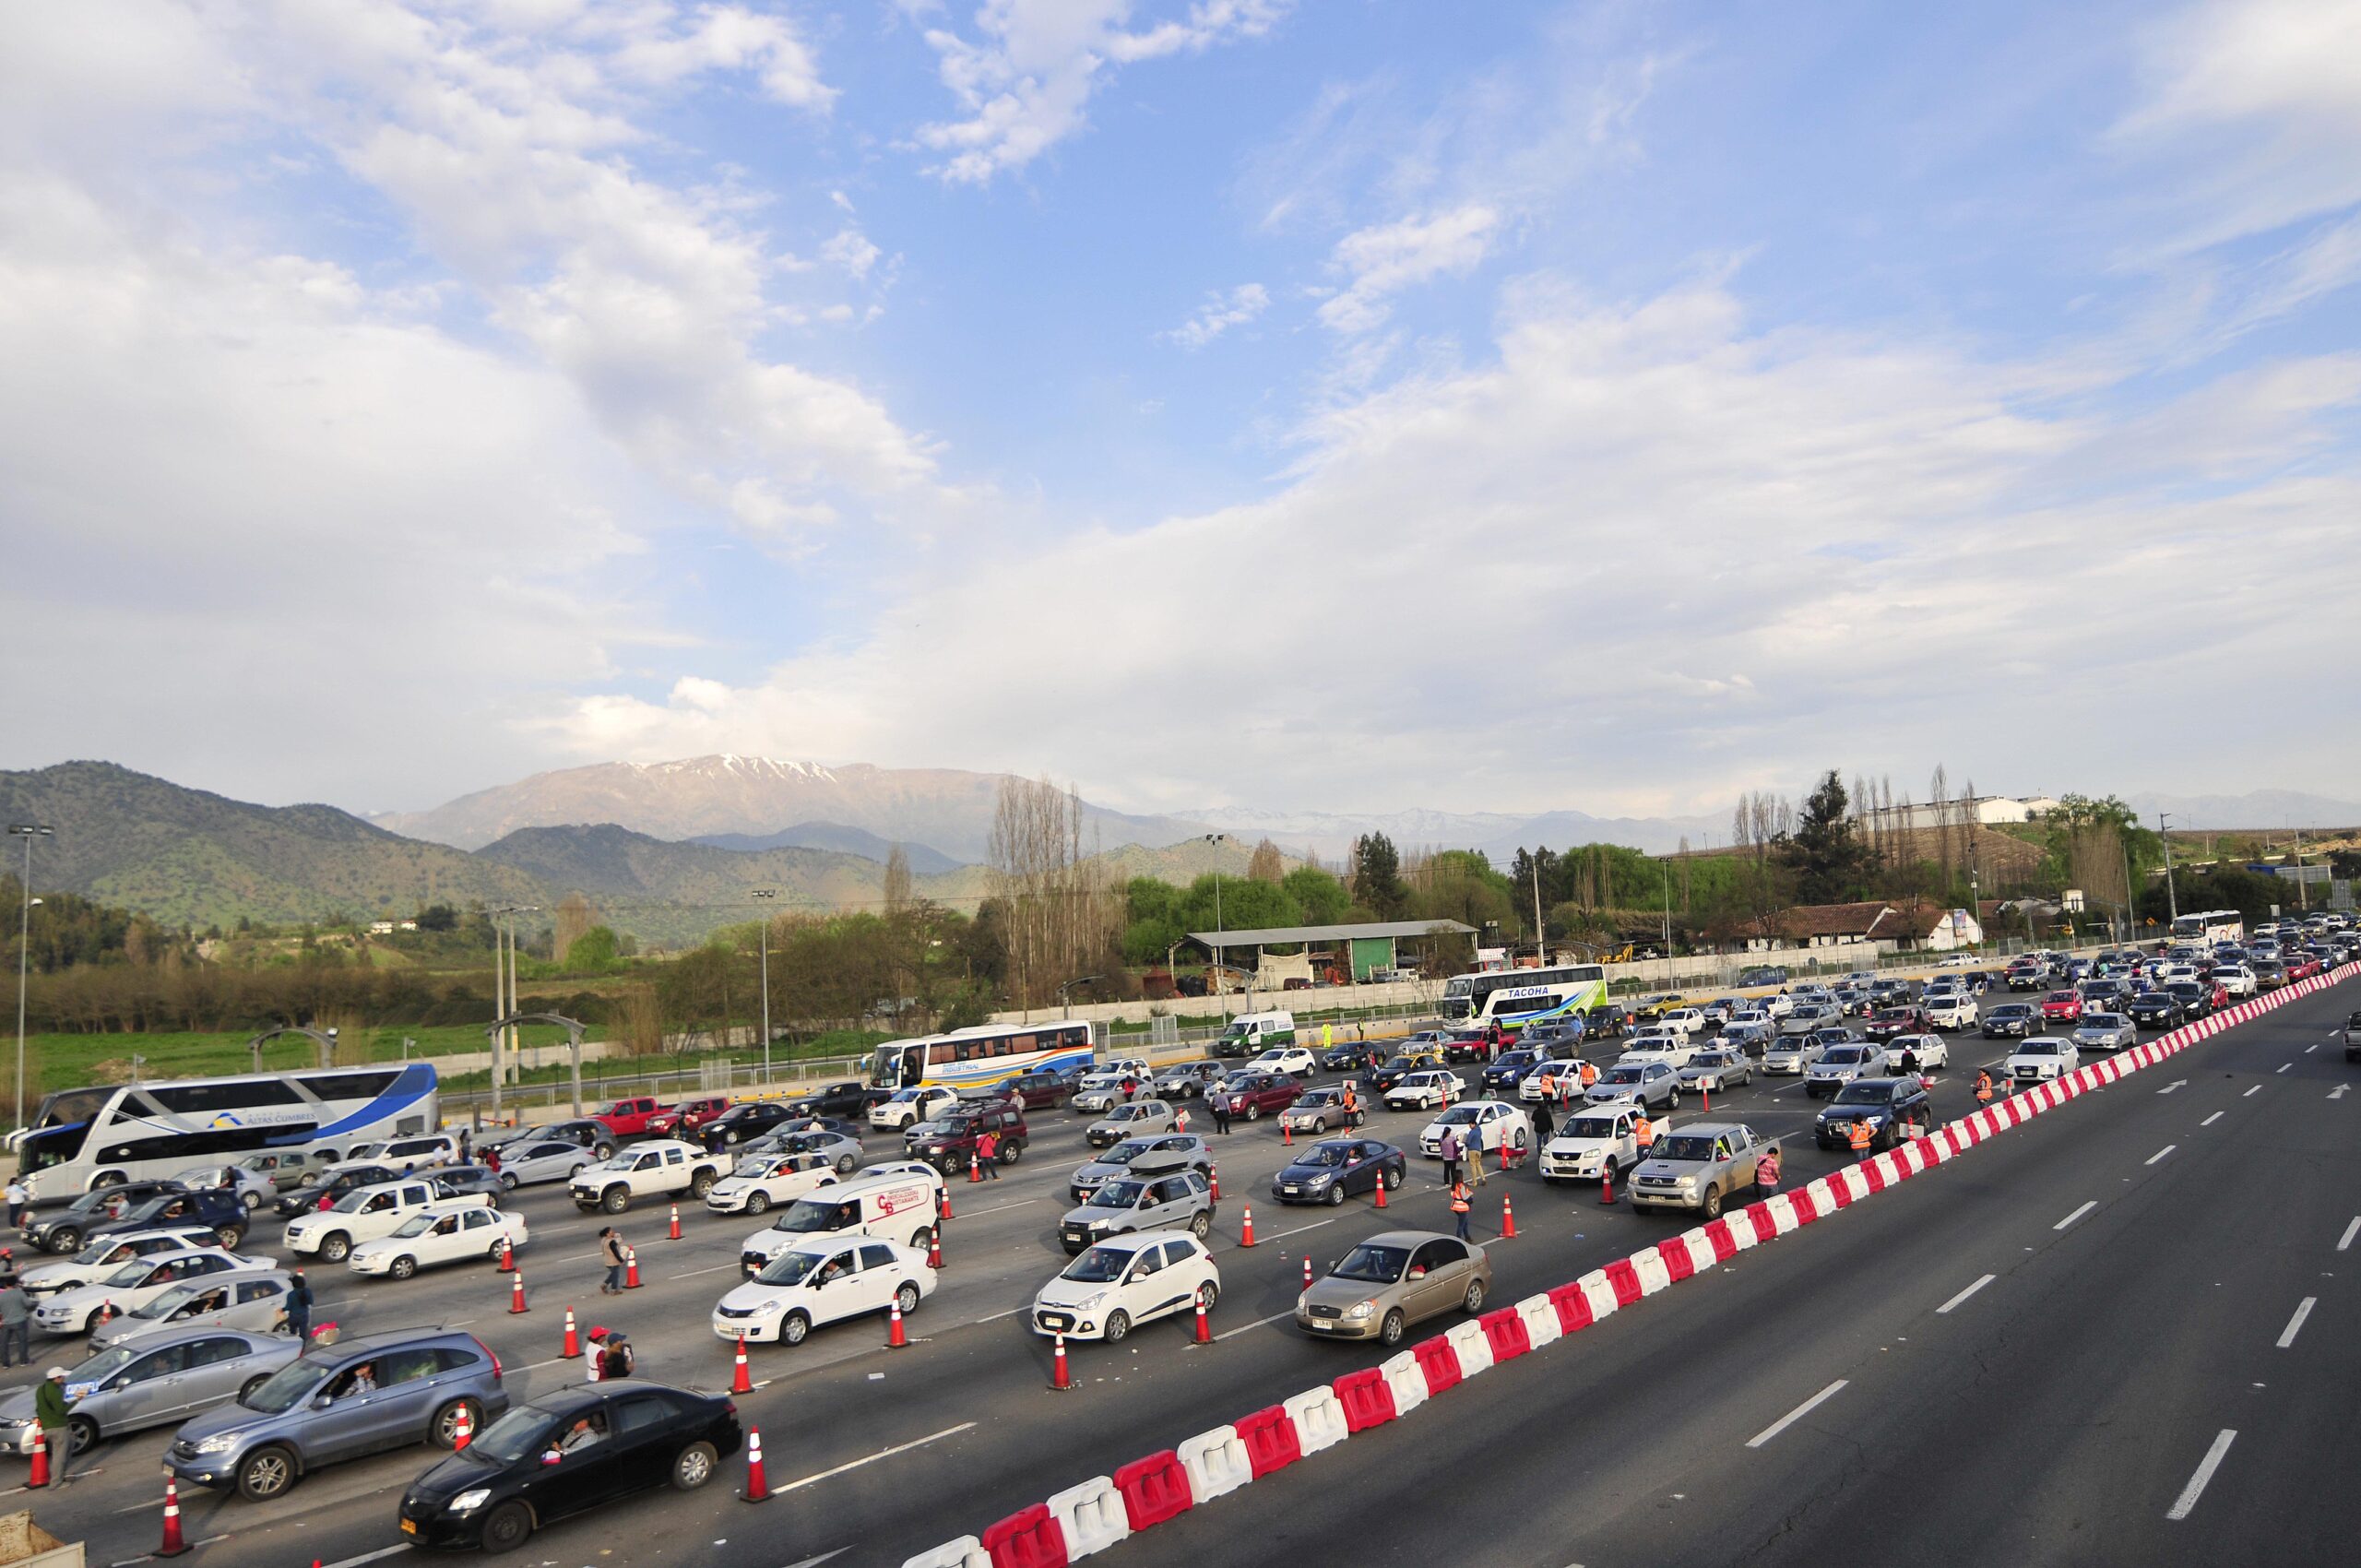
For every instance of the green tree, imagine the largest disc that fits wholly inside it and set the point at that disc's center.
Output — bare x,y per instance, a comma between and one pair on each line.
1829,860
1376,877
593,953
1319,899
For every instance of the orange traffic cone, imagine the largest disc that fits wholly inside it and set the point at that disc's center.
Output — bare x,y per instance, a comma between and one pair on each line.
894,1337
173,1546
1307,1271
1205,1329
507,1257
573,1351
674,1234
39,1474
1606,1182
943,1205
1246,1239
740,1383
630,1269
517,1292
1380,1188
1287,1131
1508,1219
974,1168
463,1431
1705,1095
1215,1173
758,1488
106,1312
934,1250
1058,1378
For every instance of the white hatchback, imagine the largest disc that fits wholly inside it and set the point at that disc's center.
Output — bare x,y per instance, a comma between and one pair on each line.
1424,1090
450,1230
1292,1059
1127,1280
1928,1051
823,1279
910,1107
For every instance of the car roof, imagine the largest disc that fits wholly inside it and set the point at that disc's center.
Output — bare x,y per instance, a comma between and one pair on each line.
1707,1129
1402,1237
573,1398
180,1333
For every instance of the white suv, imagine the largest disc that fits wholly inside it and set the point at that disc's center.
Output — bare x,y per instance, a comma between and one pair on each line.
658,1168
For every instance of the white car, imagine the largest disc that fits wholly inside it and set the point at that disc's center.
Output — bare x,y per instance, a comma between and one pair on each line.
2238,979
1589,1141
1683,1020
448,1230
655,1167
2106,1031
1424,1090
1493,1124
908,1108
2044,1056
1100,1091
1951,1010
1674,1051
1550,1080
135,1285
1928,1051
1956,961
1292,1059
823,1279
364,1215
1776,1006
100,1259
1126,1280
763,1180
254,1189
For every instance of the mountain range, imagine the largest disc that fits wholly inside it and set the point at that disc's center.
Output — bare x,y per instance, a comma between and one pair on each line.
2257,809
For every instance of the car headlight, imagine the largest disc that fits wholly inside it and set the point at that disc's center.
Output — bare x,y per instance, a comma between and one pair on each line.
766,1309
1088,1303
1687,1183
1319,1181
469,1501
1360,1309
220,1445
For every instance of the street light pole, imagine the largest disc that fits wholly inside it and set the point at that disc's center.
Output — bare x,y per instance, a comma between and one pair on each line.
28,832
766,894
2172,894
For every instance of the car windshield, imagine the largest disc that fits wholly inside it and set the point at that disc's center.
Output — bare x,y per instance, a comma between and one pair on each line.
2037,1048
1588,1127
2102,1021
1865,1093
612,1162
1459,1116
1894,1016
1372,1264
284,1389
96,1251
1122,1154
418,1225
1319,1096
805,1217
1119,1194
100,1367
130,1274
1326,1154
1514,1059
1840,1056
524,1430
171,1300
1621,1075
1099,1265
789,1268
1684,1148
754,1165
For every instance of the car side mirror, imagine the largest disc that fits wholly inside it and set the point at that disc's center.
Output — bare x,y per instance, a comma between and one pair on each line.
323,1402
1419,1273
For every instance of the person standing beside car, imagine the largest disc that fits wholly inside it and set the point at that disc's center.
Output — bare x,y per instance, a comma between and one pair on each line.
16,1327
611,1253
298,1306
49,1409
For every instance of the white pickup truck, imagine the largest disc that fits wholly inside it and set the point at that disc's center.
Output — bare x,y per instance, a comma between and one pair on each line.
361,1215
660,1168
1589,1141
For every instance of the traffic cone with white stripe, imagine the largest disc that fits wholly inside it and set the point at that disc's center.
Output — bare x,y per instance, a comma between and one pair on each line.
39,1474
1247,1238
942,1204
1380,1187
1508,1219
1059,1377
1606,1182
674,1234
630,1269
758,1488
1286,1132
895,1340
974,1168
507,1256
934,1249
517,1292
174,1545
1307,1271
572,1350
740,1381
1205,1329
462,1431
1214,1173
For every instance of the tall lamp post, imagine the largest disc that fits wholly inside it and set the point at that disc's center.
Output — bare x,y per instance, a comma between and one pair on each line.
2172,894
28,832
1221,955
766,894
1065,1011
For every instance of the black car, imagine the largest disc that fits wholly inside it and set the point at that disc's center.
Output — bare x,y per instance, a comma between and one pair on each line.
468,1181
303,1200
1335,1169
594,1135
1511,1069
2154,1010
1396,1068
564,1454
211,1207
2196,1001
2011,1021
65,1230
1889,1104
751,1120
1353,1056
1608,1019
848,1099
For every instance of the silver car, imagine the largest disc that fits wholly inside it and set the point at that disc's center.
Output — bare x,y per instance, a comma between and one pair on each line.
1138,1119
839,1151
254,1188
1840,1064
1187,1081
1649,1083
1142,1157
1789,1055
101,1258
167,1376
1696,1166
249,1301
2106,1031
1182,1201
526,1162
1716,1070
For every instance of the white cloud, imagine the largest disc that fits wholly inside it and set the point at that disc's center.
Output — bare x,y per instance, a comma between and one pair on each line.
1025,79
1220,313
728,38
851,250
1383,260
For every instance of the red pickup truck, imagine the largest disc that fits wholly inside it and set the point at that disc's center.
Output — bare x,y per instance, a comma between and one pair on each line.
628,1118
684,1120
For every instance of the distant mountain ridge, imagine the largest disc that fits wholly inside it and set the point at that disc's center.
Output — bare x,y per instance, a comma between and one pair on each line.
2255,809
925,860
1499,835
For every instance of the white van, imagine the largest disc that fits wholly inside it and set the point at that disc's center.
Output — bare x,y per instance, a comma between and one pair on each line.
899,1205
1250,1034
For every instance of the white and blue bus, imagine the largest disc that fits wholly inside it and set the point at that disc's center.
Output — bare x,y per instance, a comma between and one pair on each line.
978,1058
116,1133
1515,998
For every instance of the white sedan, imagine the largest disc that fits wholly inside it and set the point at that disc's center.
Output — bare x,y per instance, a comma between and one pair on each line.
823,1279
910,1107
453,1231
762,1180
2040,1058
135,1285
1126,1280
100,1259
1490,1124
525,1161
1424,1090
1293,1059
1927,1050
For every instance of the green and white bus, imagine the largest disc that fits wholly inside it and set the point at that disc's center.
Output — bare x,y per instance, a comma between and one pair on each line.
1514,998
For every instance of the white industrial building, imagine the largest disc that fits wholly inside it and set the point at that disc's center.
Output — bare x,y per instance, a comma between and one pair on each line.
1987,810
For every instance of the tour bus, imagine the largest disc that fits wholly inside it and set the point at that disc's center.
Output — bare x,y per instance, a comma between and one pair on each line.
2213,925
1514,998
110,1134
969,1060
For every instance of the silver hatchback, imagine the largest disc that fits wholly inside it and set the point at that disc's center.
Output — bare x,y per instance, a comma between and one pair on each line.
249,1301
166,1375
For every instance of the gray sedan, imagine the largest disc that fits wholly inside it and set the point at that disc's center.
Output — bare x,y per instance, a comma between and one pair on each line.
2106,1031
1716,1069
1650,1083
527,1161
838,1150
251,1300
158,1380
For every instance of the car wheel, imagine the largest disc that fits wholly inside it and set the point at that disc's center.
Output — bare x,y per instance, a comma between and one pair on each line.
1390,1331
795,1330
444,1431
403,1268
615,1199
693,1466
844,1165
507,1527
1393,1180
1673,1103
251,1199
1713,1202
603,1150
230,1235
922,1238
1010,1153
1119,1323
757,1201
66,1240
906,1297
701,1184
336,1247
1253,1111
1335,1193
81,1432
269,1471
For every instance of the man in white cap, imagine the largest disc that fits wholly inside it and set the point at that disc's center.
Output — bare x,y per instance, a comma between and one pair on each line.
49,1409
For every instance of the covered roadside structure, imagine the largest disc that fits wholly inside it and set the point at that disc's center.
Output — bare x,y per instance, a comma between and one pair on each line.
1369,945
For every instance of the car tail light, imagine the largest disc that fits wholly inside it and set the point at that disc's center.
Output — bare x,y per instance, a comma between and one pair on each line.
492,1354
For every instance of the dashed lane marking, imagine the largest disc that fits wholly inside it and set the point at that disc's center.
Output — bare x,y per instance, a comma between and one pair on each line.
2076,1215
2162,1152
2187,1503
2296,1324
871,1459
2210,1120
1798,1413
2345,1243
1258,1322
2256,1091
1963,1295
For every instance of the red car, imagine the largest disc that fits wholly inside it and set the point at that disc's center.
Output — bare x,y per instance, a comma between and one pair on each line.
683,1120
2062,1008
2301,966
628,1118
1246,1096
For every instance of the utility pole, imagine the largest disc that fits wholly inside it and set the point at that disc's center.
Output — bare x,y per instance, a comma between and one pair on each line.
2172,894
2303,888
766,894
1540,936
28,832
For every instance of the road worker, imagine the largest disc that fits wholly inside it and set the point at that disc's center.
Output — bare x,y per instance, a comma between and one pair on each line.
1643,1133
1460,1206
1861,1136
1983,1086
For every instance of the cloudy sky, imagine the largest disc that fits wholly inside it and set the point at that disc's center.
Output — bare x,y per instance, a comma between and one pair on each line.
1326,404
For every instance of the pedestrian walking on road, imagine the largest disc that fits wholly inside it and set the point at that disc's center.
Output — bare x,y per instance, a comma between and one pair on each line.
1766,1171
19,1201
467,1147
988,1153
1219,1105
1474,1149
611,1253
1545,1126
16,1327
297,1307
49,1409
1460,1206
615,1357
1450,1152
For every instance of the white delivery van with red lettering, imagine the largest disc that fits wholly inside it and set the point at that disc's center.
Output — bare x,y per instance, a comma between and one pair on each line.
899,1205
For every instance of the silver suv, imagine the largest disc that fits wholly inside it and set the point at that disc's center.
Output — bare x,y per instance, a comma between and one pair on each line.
1696,1166
1158,1156
356,1397
1177,1202
1840,1064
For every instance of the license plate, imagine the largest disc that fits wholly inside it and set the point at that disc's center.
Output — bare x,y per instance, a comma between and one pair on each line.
1290,1188
1325,1324
410,1527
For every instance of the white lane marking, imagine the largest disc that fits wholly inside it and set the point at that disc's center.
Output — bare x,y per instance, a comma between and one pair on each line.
717,1269
2309,1049
2076,1215
369,1556
1798,1413
996,1208
871,1459
2210,1120
1963,1295
997,1316
812,1562
2206,1468
2162,1152
2285,1066
2296,1324
1245,1327
2176,1083
2257,1090
2338,1092
2345,1242
1299,1229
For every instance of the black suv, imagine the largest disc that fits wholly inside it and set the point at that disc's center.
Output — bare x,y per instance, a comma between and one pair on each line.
215,1206
837,1100
66,1230
303,1200
2155,1010
1351,1056
1888,1104
743,1124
